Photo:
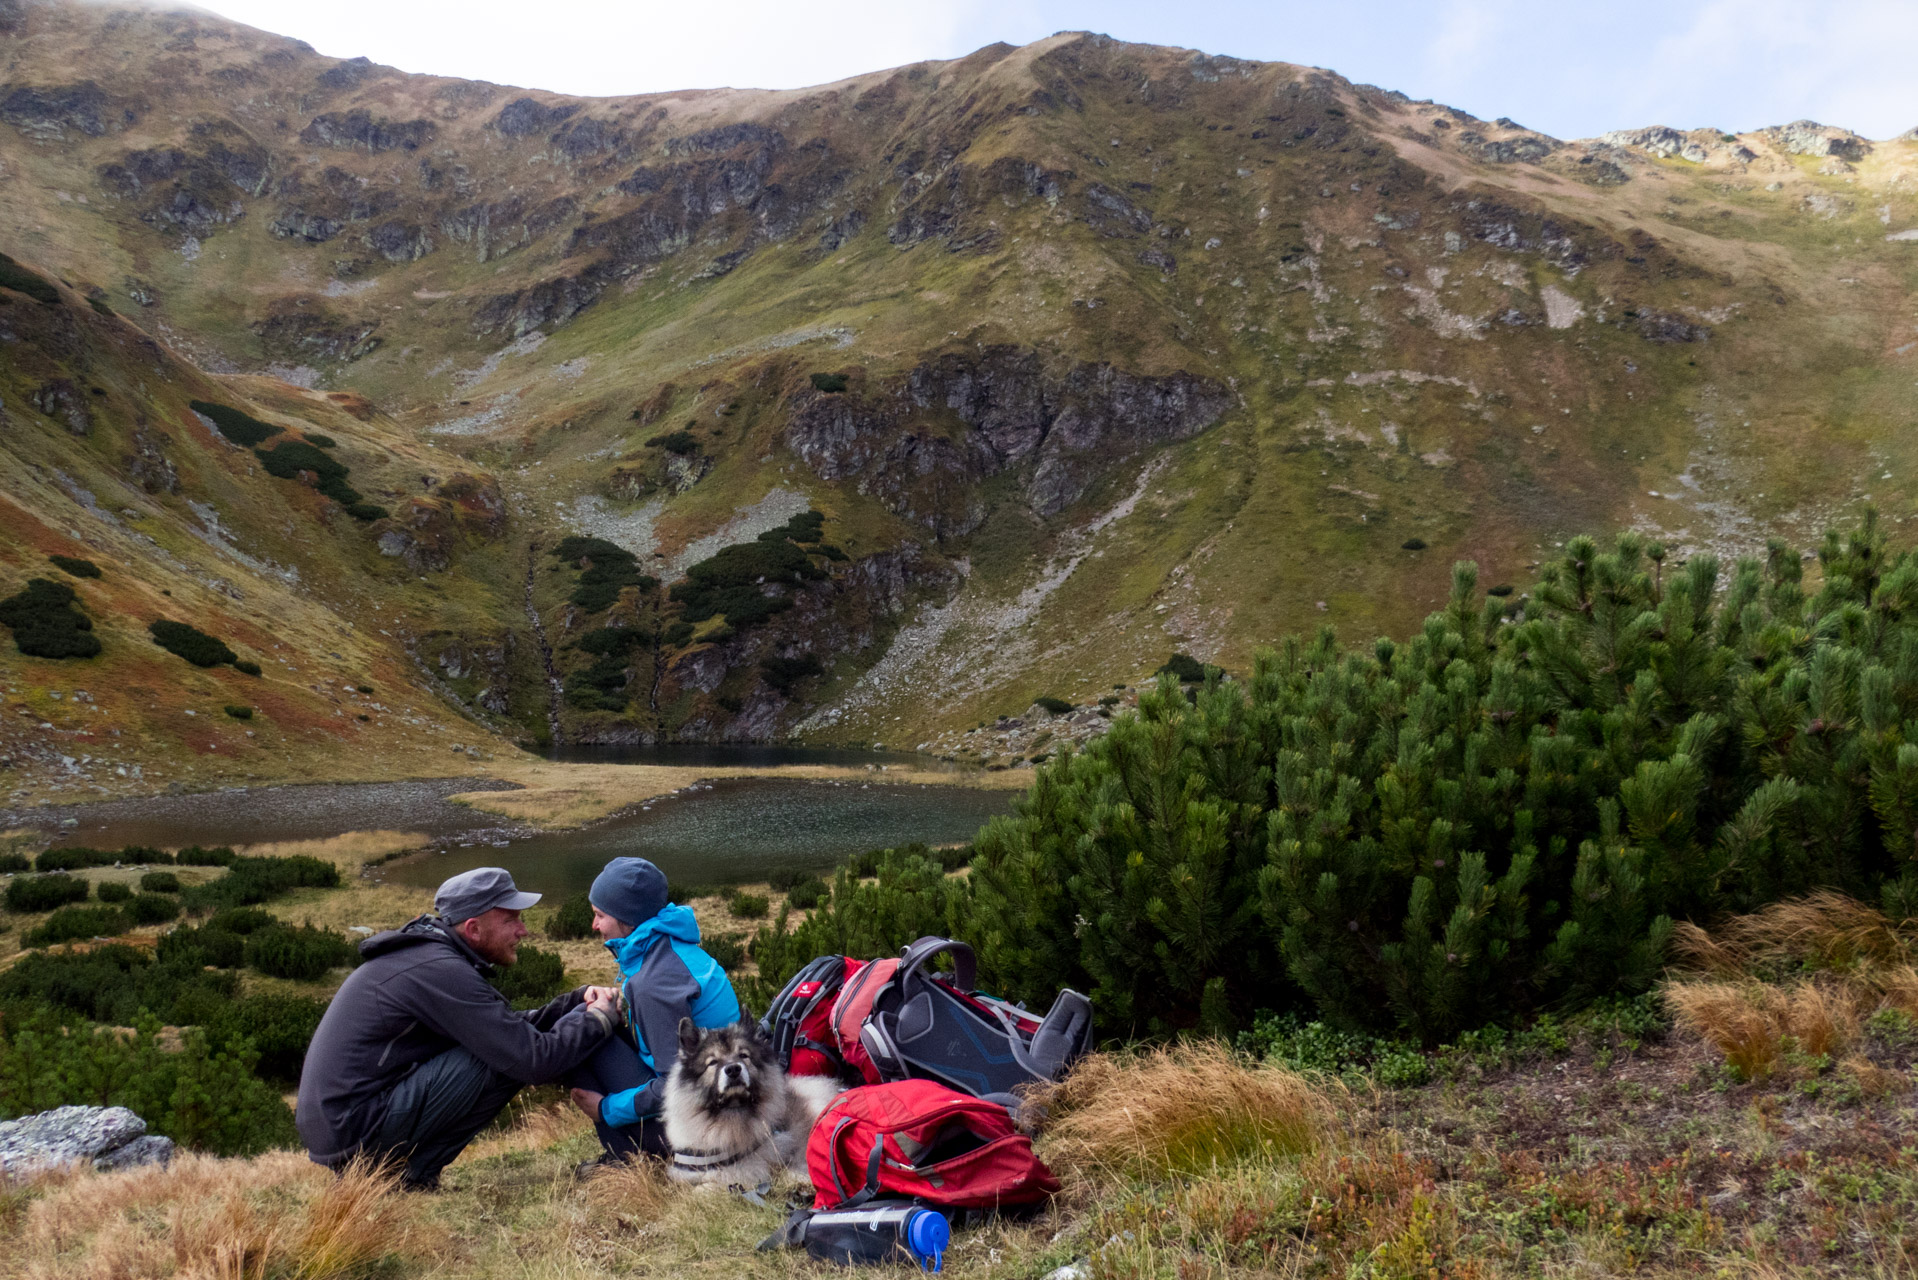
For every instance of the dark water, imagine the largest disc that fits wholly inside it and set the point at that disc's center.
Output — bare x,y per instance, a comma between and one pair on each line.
252,815
731,831
738,755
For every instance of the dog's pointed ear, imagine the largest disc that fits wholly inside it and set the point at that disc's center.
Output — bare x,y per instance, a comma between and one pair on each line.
688,1036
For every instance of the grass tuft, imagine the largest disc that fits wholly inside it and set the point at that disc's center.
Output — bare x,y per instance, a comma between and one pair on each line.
1183,1109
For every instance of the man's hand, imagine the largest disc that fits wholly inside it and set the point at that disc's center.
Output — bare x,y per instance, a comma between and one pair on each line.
598,993
588,1101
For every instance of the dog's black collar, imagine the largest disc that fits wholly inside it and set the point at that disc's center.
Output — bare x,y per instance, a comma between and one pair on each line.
709,1159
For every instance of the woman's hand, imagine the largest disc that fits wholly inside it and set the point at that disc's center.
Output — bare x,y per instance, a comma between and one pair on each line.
588,1101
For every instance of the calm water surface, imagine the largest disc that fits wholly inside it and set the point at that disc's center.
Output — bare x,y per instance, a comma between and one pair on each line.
730,831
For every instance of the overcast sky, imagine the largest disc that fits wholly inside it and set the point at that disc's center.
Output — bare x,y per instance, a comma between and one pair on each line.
1571,69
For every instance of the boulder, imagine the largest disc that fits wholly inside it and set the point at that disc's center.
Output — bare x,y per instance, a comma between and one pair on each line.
106,1137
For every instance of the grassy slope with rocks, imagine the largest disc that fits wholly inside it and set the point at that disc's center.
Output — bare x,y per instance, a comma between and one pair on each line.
1420,327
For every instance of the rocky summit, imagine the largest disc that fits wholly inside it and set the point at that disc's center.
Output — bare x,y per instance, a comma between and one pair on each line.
457,413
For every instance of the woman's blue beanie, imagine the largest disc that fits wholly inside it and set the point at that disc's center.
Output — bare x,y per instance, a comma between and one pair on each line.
631,890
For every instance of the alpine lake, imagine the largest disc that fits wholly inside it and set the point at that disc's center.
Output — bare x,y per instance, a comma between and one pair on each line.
714,832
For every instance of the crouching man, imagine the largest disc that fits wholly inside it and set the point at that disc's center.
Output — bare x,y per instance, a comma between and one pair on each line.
416,1053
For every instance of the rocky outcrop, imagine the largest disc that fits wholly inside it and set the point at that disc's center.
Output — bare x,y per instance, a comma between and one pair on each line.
46,113
1661,326
1067,427
300,331
550,302
398,241
496,228
1809,138
106,1138
427,532
360,130
60,400
745,175
523,117
485,661
148,463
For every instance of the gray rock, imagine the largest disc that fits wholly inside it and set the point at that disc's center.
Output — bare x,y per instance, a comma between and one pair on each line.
1809,138
150,1149
72,1135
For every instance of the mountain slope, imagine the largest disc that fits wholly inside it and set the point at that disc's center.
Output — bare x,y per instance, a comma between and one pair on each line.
1085,351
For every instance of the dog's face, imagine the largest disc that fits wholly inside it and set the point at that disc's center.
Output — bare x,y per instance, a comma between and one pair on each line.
727,1067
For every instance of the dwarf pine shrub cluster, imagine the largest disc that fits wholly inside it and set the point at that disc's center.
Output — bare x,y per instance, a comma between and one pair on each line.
1507,812
17,278
236,425
47,623
75,566
605,569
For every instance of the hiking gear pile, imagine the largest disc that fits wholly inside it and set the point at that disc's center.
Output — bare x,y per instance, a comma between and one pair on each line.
932,1065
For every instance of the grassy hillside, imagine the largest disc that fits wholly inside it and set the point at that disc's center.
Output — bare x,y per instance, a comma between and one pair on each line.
1143,349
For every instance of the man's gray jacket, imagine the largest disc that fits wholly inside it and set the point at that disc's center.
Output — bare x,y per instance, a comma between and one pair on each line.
420,991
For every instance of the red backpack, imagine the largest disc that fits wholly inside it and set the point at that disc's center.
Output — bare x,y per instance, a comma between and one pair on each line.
851,1008
922,1141
799,1020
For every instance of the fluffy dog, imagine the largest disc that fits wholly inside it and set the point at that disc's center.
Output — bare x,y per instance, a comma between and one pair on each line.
732,1115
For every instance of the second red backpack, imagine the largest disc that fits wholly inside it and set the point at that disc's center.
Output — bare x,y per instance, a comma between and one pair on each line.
923,1141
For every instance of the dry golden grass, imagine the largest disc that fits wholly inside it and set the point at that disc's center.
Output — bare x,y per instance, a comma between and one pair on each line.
277,1215
351,852
1188,1108
1825,929
567,795
1755,1024
1797,977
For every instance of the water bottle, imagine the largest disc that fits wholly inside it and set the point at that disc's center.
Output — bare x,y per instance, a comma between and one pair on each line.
879,1233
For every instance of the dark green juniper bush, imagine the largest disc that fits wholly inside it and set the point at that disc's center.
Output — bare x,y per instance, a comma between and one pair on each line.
241,428
46,622
184,640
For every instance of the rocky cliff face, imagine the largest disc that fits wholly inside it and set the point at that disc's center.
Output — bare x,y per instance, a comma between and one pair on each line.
1061,430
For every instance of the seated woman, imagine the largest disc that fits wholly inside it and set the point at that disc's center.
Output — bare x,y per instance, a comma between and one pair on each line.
666,977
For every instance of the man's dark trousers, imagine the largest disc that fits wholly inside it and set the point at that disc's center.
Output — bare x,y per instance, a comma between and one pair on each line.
436,1111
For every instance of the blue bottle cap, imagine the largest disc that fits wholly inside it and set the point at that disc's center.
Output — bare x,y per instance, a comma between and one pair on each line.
927,1235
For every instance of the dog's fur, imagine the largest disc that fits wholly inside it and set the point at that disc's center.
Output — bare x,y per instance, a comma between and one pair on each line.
732,1115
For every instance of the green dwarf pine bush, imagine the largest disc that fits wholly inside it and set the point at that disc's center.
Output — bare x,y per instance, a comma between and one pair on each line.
186,641
202,1097
606,569
17,278
534,978
299,955
46,622
151,908
159,882
1506,810
74,858
573,919
747,906
241,428
250,881
71,923
733,582
74,565
194,856
912,897
12,862
45,892
113,891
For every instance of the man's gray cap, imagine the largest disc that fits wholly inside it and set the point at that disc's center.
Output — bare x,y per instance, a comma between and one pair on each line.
474,893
